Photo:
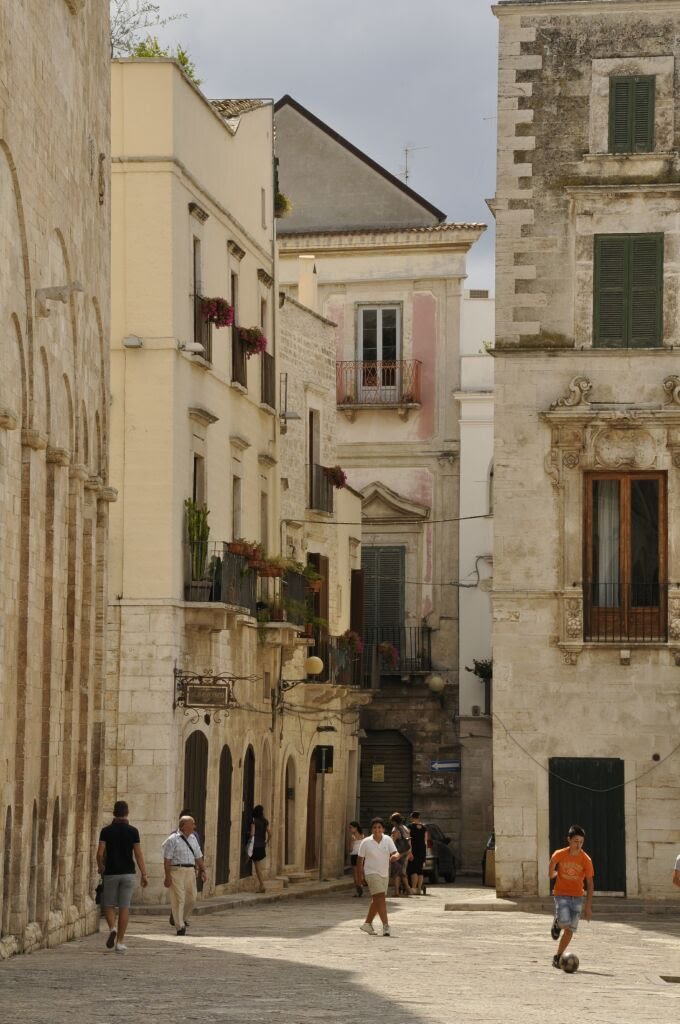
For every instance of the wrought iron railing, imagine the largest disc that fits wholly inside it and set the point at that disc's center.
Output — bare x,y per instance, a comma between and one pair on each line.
296,598
202,329
239,362
342,663
213,573
396,651
320,489
625,612
378,382
268,380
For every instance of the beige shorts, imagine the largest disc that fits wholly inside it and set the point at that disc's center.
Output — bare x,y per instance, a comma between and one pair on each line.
377,884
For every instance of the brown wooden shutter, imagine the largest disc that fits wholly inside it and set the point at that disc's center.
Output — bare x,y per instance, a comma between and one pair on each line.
356,607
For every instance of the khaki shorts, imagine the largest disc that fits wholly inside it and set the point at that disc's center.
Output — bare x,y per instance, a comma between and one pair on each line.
377,884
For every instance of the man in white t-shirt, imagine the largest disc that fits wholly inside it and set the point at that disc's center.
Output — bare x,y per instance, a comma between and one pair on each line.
373,862
676,872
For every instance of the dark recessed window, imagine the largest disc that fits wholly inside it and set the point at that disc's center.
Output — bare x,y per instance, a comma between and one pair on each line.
631,114
628,291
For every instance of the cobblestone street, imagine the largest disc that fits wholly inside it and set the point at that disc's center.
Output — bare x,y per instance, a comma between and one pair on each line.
303,960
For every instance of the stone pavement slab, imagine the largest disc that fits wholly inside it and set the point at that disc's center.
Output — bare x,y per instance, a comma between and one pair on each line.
305,961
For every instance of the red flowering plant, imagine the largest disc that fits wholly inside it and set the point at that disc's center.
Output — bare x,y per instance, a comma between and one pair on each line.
389,654
253,339
218,312
351,639
336,475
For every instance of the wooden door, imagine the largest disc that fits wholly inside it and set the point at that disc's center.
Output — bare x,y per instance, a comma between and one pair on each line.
223,838
247,804
310,840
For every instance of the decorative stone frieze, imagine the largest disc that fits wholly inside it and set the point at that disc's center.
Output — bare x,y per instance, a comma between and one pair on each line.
79,472
9,420
58,456
34,439
577,394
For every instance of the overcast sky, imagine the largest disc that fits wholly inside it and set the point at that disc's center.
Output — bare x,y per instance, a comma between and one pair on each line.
382,73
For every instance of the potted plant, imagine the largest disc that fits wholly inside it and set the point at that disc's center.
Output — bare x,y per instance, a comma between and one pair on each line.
239,547
198,531
253,340
313,578
336,475
282,205
350,640
483,669
389,654
255,556
218,312
272,567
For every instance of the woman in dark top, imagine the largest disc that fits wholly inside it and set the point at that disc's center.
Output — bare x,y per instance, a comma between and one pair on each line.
261,833
419,850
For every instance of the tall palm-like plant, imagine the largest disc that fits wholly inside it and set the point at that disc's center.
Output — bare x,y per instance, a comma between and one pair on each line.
198,531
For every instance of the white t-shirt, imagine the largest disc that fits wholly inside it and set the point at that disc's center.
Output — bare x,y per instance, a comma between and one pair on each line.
377,855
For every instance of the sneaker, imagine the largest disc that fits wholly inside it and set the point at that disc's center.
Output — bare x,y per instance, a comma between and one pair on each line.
111,941
556,961
182,931
120,948
368,928
386,930
555,930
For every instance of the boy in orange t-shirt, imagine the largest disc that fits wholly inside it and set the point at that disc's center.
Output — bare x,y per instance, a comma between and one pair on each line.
571,867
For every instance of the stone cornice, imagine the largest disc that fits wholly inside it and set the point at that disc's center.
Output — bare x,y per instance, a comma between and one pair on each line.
58,456
108,494
458,239
239,442
79,472
551,7
660,188
198,212
266,279
202,416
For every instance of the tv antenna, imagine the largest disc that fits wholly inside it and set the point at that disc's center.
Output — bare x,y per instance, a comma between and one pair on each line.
409,149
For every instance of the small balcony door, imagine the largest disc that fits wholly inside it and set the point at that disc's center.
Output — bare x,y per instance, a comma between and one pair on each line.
379,332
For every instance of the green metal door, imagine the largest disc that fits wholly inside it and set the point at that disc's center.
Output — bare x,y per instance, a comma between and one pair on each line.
588,791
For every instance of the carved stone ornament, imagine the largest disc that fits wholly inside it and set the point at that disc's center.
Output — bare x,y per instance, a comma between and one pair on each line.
570,460
574,618
570,655
577,394
627,448
674,618
75,6
671,386
675,458
552,467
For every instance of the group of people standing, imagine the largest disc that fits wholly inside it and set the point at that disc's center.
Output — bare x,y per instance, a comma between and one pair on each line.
380,858
119,849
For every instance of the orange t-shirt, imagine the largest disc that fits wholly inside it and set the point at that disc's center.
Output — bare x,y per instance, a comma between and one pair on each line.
572,868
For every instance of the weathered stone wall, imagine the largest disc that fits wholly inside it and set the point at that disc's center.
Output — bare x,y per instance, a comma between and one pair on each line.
554,694
54,407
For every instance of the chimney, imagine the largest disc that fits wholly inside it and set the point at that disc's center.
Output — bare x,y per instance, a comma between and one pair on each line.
307,282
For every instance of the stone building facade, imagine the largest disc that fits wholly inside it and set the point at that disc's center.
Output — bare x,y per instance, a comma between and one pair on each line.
54,493
586,633
389,273
206,704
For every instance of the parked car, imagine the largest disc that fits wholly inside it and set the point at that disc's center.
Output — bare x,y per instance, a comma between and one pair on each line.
440,864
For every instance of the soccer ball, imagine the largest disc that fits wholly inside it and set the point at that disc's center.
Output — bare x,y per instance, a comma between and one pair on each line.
569,963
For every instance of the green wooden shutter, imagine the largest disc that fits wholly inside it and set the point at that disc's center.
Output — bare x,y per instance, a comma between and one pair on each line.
620,115
645,295
391,586
609,328
643,115
383,585
631,114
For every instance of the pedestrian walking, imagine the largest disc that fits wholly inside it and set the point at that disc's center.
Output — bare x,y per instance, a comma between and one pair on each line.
570,867
676,872
260,833
182,858
119,847
376,852
356,835
416,864
401,838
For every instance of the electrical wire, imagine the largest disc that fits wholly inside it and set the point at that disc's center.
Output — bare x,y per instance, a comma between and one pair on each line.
578,785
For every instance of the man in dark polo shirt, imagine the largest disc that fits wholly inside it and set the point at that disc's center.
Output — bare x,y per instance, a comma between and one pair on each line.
119,848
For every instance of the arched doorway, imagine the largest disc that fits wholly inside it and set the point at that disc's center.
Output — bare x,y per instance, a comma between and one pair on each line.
33,872
223,838
386,776
247,805
289,813
55,865
6,868
196,778
312,799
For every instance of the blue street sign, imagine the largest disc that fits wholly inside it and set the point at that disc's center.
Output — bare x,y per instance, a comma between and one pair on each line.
444,766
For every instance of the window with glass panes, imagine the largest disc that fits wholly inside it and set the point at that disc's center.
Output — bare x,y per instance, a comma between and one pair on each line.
379,331
625,557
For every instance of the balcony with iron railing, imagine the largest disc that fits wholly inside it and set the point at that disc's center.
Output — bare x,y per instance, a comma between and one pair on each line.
629,613
202,329
320,489
214,574
268,380
386,383
395,651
